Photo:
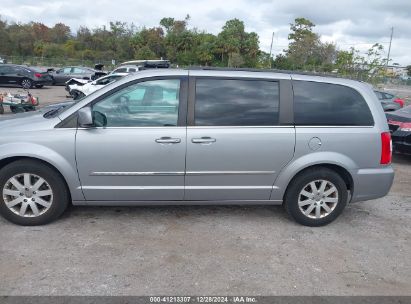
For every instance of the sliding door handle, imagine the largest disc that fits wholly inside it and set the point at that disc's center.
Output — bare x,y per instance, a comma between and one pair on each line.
203,140
168,140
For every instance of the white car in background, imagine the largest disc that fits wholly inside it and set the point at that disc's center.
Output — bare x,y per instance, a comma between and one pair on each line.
81,87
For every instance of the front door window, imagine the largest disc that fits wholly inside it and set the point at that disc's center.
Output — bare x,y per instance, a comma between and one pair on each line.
151,103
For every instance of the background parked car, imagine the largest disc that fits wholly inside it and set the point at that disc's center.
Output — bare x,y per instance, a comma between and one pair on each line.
61,76
139,65
400,128
26,77
149,64
79,90
389,101
125,69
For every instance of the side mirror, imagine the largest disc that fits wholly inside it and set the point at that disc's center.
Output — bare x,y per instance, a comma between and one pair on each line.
99,119
85,117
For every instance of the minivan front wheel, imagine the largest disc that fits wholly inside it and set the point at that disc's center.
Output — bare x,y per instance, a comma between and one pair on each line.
316,197
32,193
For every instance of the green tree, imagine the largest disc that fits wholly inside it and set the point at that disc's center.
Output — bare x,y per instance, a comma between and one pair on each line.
282,62
305,50
233,40
345,62
206,49
60,33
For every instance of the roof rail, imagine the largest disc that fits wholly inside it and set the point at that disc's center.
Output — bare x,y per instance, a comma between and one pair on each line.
264,70
148,63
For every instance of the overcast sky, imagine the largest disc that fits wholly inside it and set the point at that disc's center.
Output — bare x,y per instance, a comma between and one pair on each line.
345,22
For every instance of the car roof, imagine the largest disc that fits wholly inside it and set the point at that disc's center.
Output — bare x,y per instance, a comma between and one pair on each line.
113,74
148,63
22,66
250,73
126,66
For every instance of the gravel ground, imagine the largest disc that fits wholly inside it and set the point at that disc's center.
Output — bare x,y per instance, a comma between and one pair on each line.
212,250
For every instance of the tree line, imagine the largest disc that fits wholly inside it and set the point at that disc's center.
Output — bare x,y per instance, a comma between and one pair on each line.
172,39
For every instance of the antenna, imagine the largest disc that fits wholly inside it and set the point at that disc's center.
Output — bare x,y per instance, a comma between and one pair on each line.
271,50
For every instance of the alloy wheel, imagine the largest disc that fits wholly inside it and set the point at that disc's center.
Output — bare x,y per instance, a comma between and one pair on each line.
26,83
27,195
318,199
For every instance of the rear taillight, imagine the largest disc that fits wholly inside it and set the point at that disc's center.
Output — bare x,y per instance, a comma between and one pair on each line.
399,101
405,126
386,148
38,75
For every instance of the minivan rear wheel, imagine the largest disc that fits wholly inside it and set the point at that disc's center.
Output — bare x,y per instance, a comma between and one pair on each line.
316,197
31,193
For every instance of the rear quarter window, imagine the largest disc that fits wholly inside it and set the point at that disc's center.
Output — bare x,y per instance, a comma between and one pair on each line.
325,104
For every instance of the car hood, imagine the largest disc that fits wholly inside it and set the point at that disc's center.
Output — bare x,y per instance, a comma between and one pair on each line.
27,121
77,81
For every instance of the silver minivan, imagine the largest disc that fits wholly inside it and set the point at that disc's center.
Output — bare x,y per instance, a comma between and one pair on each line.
200,136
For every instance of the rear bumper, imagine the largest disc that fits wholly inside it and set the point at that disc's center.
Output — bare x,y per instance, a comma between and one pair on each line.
372,183
402,147
401,141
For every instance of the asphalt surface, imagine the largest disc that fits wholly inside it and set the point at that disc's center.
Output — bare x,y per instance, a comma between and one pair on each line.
213,250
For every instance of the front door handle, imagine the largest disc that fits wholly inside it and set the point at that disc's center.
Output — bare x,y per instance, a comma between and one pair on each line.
203,140
168,140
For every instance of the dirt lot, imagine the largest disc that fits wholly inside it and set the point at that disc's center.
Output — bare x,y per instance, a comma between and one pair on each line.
213,250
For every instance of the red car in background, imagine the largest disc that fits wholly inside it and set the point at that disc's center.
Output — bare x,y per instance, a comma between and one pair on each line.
400,127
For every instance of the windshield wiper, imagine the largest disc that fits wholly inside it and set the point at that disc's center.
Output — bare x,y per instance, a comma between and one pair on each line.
52,113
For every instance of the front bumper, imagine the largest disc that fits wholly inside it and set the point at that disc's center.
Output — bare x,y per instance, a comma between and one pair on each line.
372,183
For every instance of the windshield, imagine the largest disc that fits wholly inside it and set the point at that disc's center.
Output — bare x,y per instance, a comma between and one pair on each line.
53,112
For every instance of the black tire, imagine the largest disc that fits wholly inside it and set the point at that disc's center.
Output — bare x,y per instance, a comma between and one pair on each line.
29,108
26,83
300,182
54,180
39,86
77,95
16,109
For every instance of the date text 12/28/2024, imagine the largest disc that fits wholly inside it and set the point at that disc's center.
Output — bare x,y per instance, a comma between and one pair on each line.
203,299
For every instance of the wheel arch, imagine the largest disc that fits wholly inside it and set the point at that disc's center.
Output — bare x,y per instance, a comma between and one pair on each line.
341,171
339,163
67,180
6,161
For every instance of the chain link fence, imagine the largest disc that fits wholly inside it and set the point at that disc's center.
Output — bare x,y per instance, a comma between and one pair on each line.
56,62
109,64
